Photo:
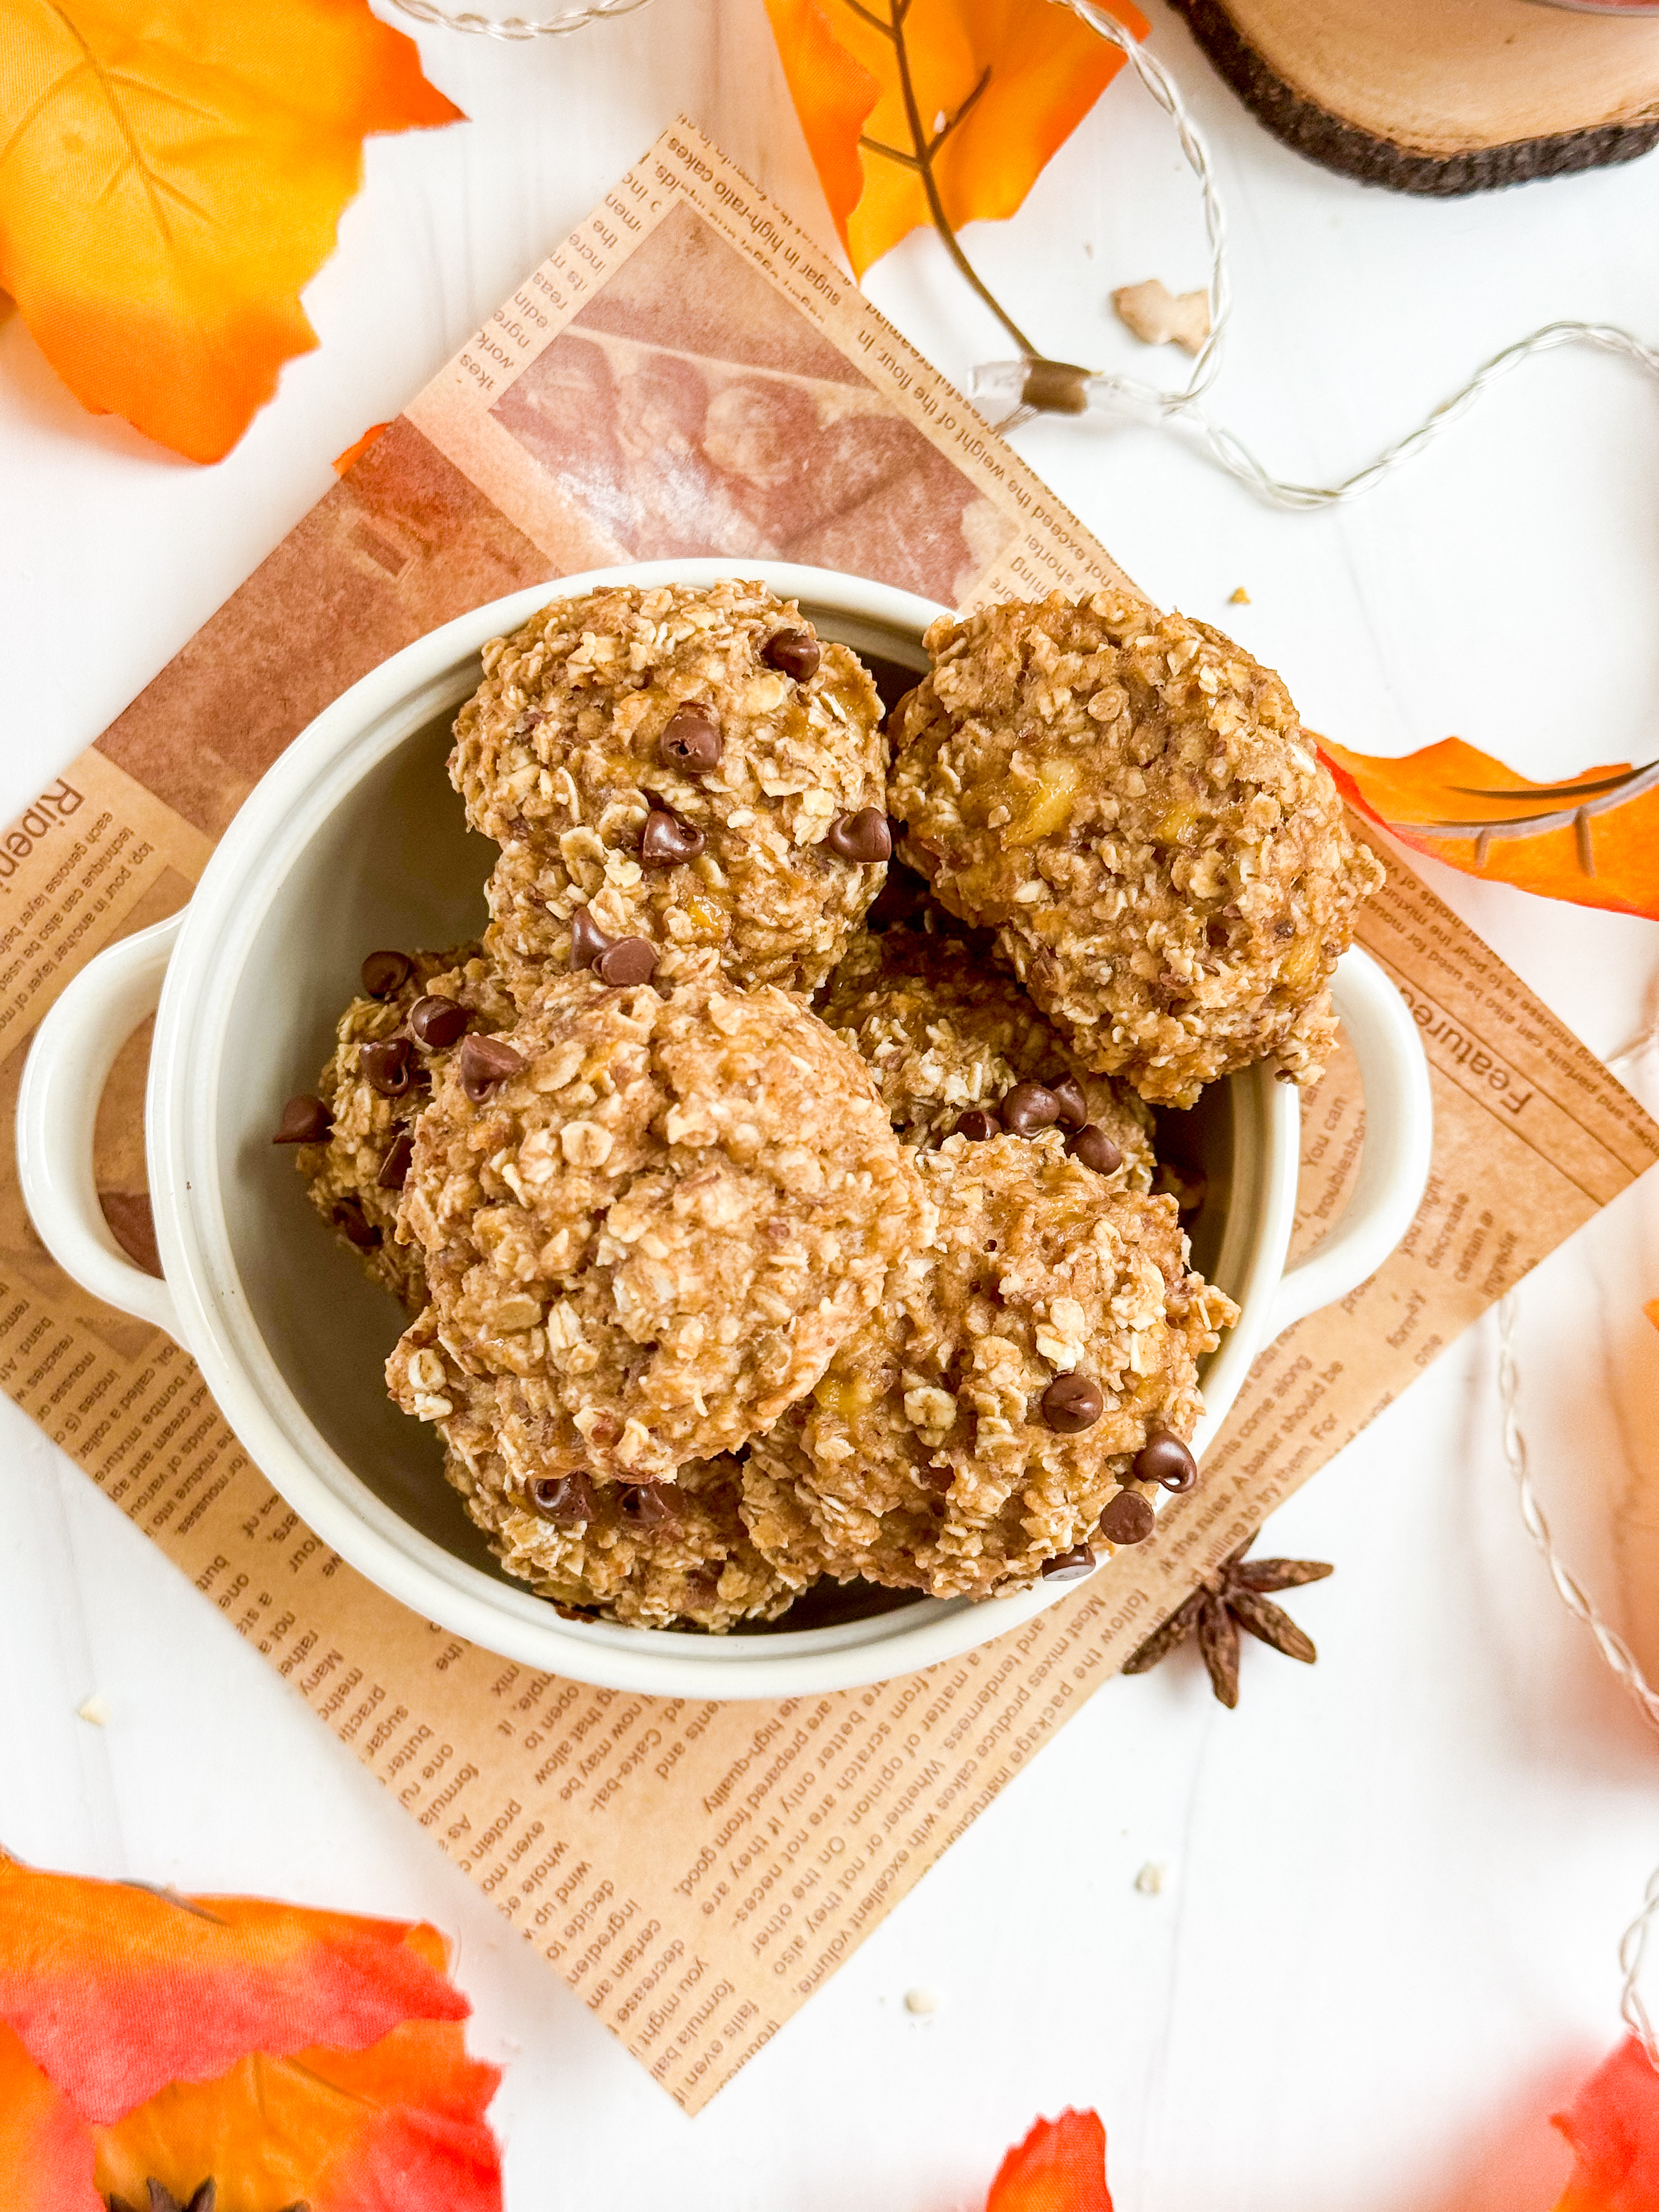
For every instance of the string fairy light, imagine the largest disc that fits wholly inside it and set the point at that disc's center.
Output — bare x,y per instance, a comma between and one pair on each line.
1615,1650
1033,385
511,28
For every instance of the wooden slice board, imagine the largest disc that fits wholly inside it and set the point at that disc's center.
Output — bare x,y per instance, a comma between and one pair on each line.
1439,96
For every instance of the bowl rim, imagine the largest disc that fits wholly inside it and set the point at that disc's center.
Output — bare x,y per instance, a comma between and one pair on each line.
218,931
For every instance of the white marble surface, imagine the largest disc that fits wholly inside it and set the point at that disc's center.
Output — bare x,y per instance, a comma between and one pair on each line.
1395,1883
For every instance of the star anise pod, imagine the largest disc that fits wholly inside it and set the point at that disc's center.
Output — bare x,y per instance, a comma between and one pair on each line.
204,2198
161,2198
1235,1596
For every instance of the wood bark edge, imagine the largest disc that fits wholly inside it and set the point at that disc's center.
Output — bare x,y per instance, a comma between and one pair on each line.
1313,131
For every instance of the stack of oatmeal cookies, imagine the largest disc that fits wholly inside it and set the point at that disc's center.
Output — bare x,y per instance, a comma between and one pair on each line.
770,1205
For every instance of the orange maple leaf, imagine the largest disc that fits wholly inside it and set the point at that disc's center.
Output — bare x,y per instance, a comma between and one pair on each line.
289,2055
915,110
1059,2167
1593,840
355,452
172,172
1612,2126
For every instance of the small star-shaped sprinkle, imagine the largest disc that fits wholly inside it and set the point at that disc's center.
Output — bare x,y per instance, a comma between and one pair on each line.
1235,1596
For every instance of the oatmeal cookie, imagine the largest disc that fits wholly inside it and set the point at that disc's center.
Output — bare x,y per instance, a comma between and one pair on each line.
389,1045
646,1224
651,1557
1128,799
691,767
955,1043
1010,1407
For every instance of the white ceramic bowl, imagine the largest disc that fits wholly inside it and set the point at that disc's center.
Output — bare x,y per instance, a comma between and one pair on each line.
355,839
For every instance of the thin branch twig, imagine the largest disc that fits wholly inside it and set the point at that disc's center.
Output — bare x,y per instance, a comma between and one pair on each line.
920,159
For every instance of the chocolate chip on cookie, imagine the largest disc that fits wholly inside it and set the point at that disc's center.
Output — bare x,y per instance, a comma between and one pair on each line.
864,837
1128,1519
385,973
305,1121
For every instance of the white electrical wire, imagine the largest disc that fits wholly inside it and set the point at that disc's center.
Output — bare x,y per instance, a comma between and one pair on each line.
1612,1646
1006,381
1608,1641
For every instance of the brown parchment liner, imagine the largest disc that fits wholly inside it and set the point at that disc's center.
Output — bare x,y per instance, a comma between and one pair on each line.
689,374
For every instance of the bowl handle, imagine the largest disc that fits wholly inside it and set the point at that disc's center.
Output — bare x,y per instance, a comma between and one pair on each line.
68,1064
1394,1162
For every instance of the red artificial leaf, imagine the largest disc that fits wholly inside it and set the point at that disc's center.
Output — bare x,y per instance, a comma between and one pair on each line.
290,2056
1059,2167
1612,2126
46,2153
1593,840
115,1991
397,2128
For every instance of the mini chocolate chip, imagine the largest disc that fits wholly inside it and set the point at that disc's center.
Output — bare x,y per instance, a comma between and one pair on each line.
1128,1519
437,1023
648,1504
1068,1566
976,1125
389,1064
630,960
865,837
794,652
1072,1403
668,840
394,1171
486,1061
385,973
306,1120
563,1498
1067,1094
1164,1458
691,740
1216,934
587,939
1030,1107
1092,1145
360,1230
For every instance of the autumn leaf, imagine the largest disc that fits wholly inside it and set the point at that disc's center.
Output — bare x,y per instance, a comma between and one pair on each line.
172,172
401,2124
1059,2167
1593,840
902,101
45,2152
1612,2126
355,452
290,2054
